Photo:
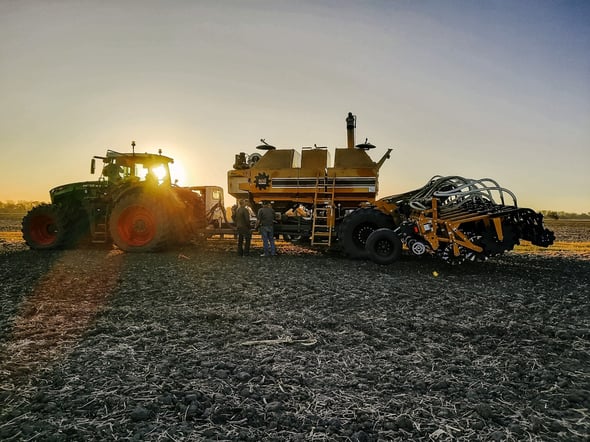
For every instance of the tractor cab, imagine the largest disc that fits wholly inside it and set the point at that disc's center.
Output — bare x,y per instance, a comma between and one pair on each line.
134,167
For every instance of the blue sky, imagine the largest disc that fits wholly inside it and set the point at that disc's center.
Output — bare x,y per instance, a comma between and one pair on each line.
496,89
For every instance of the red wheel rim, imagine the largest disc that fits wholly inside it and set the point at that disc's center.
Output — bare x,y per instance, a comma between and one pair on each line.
43,230
137,226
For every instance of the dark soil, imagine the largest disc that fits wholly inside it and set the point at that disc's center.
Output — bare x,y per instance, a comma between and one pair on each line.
200,344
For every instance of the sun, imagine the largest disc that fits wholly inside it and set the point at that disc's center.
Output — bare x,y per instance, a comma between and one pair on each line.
160,173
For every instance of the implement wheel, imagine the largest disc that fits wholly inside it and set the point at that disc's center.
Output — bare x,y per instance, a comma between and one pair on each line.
384,246
138,223
43,228
356,228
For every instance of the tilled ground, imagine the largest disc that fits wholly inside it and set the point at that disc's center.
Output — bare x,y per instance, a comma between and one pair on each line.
200,344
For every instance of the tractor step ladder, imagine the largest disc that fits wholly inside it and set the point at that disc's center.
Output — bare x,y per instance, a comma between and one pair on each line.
98,224
323,212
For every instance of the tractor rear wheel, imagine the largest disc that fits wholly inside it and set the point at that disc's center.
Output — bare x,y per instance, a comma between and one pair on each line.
356,228
139,223
44,228
384,246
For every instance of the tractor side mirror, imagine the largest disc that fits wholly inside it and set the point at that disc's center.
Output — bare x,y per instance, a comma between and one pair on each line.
92,166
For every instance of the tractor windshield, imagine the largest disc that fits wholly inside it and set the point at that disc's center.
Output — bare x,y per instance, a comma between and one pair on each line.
155,173
122,169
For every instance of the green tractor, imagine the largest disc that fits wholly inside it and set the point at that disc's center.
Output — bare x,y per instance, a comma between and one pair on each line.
134,205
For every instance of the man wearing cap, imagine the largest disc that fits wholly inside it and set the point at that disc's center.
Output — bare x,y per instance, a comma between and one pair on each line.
242,220
266,218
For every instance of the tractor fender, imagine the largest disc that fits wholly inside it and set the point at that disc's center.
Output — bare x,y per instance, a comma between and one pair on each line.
125,190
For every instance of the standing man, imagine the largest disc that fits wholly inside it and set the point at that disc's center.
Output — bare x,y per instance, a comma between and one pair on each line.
242,220
266,219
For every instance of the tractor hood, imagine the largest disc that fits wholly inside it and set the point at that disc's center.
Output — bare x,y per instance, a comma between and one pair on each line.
80,190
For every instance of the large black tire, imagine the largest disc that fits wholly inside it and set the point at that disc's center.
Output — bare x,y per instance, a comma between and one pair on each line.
384,246
44,228
139,223
356,228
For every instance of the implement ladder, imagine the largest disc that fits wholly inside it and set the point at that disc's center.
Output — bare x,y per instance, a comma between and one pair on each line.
323,211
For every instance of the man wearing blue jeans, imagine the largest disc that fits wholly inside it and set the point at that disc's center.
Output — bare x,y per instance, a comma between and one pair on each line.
266,219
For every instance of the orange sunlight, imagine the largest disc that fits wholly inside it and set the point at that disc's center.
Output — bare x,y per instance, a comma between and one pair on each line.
60,309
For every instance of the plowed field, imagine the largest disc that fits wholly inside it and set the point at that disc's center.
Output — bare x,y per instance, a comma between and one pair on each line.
200,344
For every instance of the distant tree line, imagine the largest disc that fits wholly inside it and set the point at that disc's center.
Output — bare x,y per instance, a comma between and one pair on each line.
552,214
17,207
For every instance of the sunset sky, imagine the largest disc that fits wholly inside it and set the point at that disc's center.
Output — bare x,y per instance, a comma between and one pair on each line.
496,89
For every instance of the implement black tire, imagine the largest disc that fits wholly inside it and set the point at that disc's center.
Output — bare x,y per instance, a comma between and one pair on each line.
139,223
44,228
356,228
384,246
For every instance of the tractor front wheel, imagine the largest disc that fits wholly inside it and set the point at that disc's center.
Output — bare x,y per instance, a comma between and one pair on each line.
43,228
138,223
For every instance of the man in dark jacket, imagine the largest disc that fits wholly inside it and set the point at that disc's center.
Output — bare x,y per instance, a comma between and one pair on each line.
242,220
266,219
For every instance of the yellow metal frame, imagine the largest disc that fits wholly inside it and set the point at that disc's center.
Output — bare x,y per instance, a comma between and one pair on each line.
429,223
